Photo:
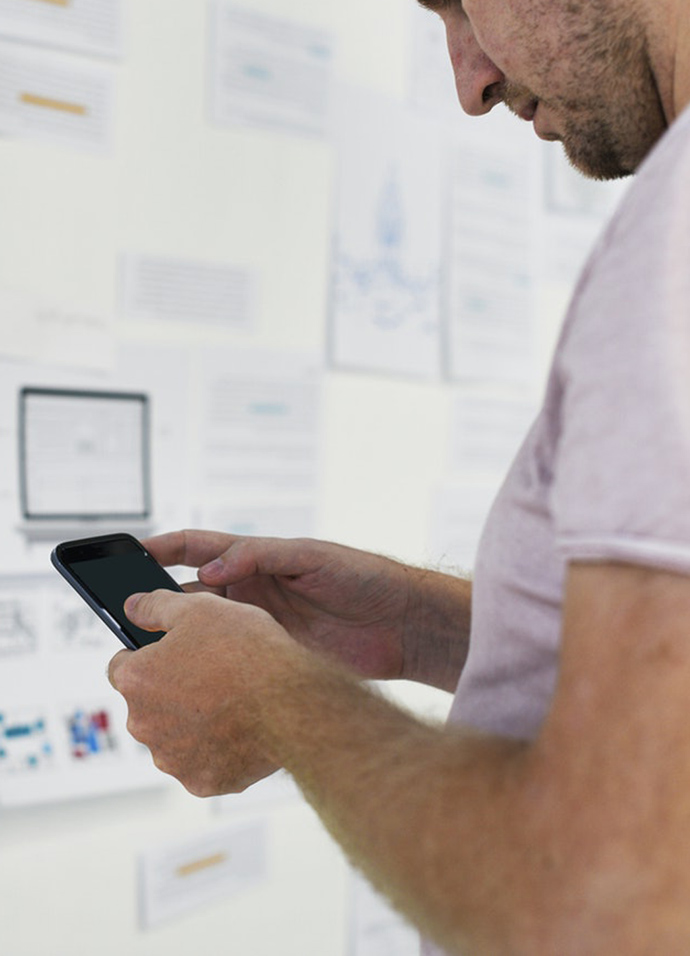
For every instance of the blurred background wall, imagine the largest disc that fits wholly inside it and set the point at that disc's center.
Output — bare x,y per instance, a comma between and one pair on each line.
339,296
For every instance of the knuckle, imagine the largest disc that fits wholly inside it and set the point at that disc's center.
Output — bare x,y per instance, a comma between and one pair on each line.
134,728
163,763
197,788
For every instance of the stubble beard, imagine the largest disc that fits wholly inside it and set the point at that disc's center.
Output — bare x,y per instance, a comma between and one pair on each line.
608,107
611,139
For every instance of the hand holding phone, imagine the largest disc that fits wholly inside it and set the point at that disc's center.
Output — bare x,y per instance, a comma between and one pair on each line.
104,571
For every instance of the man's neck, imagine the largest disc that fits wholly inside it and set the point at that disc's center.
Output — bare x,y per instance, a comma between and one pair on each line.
668,30
681,83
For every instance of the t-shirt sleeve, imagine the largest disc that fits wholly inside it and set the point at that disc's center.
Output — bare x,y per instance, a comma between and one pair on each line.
621,483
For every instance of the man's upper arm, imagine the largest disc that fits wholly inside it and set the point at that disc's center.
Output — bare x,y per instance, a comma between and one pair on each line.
613,800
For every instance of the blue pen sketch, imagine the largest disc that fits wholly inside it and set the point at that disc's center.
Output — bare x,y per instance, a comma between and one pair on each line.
24,742
18,626
380,285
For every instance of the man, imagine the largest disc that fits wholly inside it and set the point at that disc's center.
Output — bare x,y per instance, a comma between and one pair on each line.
553,815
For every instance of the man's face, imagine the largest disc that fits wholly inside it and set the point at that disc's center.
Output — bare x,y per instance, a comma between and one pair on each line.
578,69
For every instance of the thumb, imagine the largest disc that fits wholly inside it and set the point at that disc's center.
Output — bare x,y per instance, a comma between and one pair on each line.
156,610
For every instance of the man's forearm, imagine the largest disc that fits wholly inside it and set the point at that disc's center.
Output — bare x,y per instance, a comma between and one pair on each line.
428,815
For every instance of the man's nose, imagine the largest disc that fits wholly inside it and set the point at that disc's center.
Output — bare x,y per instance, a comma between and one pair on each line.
478,80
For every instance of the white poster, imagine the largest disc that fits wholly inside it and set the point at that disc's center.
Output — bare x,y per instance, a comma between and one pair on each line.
55,97
181,877
487,431
575,212
375,927
55,332
430,80
386,282
268,72
83,26
218,294
459,510
492,322
259,417
62,727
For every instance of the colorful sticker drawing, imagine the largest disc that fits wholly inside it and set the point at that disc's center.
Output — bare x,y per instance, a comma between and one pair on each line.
25,744
90,734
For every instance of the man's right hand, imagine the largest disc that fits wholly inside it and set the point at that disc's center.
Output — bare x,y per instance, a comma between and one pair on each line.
361,609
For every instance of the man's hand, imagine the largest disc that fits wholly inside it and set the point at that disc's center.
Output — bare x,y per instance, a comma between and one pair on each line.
376,616
195,698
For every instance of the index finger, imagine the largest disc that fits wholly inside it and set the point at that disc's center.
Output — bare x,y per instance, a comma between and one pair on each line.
192,549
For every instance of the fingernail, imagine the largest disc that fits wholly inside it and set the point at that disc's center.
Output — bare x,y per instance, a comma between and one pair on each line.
213,568
131,602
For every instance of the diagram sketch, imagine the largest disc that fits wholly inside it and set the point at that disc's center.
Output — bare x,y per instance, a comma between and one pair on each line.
75,626
382,285
386,270
19,627
491,327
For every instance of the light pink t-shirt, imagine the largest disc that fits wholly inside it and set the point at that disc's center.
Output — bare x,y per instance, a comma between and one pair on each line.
604,473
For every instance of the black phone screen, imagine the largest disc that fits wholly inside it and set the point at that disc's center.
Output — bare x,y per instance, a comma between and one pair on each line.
112,569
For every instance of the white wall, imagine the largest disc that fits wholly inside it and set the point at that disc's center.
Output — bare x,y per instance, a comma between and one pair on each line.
176,185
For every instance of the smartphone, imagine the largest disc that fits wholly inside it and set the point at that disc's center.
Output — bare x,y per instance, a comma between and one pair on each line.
104,571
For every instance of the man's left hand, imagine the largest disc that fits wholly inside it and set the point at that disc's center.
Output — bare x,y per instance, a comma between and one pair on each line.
195,696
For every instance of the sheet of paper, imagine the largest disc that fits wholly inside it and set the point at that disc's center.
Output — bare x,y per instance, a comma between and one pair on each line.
212,293
159,371
575,212
458,512
183,876
277,790
486,432
84,26
55,333
259,415
268,72
430,81
272,517
385,311
62,727
492,256
375,929
55,97
568,192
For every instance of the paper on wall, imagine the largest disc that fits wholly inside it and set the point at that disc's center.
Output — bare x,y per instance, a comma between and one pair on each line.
430,81
486,431
269,72
275,517
160,371
575,212
181,877
385,309
62,727
54,97
277,790
458,512
84,26
182,290
258,425
492,257
375,929
54,332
